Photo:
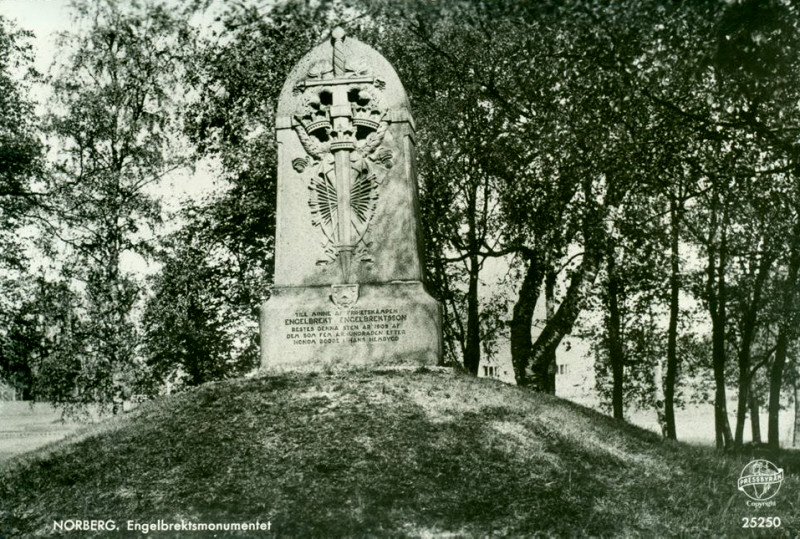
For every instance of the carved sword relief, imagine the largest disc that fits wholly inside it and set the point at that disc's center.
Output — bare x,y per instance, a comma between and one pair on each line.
342,124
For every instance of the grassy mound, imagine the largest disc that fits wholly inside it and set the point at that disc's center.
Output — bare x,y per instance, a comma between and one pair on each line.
386,454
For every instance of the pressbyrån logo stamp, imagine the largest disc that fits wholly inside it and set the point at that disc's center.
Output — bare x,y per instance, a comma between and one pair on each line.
760,480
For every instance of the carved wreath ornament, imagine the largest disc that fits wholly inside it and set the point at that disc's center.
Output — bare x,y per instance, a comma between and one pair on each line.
342,122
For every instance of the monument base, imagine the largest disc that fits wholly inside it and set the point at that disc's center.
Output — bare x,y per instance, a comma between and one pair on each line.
396,323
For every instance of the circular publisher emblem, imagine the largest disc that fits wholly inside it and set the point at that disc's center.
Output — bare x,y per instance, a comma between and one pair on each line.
760,480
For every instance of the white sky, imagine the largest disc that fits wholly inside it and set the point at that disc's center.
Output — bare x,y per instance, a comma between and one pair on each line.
44,18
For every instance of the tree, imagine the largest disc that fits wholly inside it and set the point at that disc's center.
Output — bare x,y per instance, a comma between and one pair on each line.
725,72
461,168
787,285
433,47
185,341
21,164
21,152
758,64
42,350
528,156
113,118
19,348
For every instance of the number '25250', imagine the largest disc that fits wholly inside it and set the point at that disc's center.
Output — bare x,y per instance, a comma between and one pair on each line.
761,522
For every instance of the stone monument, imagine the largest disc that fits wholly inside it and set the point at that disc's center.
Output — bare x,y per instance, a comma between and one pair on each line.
349,271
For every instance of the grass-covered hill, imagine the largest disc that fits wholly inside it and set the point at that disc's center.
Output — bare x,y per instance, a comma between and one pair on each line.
395,453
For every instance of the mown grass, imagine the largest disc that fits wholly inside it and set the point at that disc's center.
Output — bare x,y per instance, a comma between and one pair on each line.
24,427
385,454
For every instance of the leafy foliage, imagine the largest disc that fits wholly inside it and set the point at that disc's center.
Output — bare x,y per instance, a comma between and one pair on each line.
21,152
112,115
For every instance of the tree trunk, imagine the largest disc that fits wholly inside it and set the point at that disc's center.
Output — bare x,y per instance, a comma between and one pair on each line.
775,383
550,310
522,319
784,325
614,338
716,294
722,428
755,420
594,233
744,389
748,334
472,355
659,399
672,330
796,432
452,329
562,321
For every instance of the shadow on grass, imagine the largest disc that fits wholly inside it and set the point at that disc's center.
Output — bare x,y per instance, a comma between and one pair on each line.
390,454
